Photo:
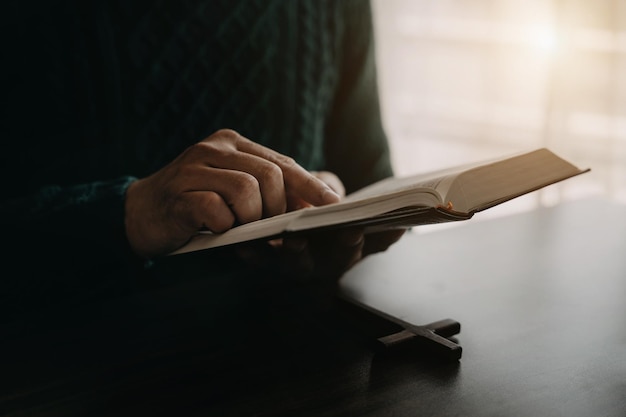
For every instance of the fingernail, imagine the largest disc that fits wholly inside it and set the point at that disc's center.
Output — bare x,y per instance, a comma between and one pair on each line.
330,196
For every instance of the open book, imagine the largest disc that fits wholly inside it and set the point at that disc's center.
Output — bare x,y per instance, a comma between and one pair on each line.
403,202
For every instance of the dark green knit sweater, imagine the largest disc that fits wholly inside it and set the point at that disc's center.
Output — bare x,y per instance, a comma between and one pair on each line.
96,93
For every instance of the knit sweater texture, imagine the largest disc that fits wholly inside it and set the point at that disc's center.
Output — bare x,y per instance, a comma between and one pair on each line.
98,93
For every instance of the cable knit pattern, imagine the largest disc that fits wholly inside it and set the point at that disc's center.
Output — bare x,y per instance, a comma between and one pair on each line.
197,67
96,93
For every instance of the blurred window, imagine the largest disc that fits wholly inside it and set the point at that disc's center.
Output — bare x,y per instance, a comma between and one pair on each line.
466,80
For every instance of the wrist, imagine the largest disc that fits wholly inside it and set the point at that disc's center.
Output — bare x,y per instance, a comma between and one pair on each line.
134,234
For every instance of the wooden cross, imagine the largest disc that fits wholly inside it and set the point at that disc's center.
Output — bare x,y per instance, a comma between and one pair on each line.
390,332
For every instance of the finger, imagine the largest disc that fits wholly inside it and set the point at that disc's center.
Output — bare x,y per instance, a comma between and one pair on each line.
349,251
239,190
296,258
205,209
345,255
296,203
268,175
381,241
350,237
336,251
304,185
256,254
298,180
332,181
294,244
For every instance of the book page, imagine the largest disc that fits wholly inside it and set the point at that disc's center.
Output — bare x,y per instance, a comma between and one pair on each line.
339,213
439,181
485,186
393,185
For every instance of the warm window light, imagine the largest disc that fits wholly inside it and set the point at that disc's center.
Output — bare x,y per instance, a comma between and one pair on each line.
470,80
546,40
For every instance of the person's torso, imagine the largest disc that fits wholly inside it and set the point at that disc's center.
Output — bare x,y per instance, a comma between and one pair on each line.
97,89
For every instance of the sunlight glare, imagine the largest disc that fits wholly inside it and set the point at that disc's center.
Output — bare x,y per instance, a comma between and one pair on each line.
546,40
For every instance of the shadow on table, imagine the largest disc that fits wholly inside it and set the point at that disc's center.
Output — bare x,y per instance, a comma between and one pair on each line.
238,345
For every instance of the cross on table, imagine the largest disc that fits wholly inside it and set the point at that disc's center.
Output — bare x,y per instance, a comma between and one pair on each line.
391,332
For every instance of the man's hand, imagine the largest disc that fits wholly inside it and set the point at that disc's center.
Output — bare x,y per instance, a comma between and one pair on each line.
321,256
221,180
325,255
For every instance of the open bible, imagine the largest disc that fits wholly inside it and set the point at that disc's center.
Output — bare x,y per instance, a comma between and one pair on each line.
403,202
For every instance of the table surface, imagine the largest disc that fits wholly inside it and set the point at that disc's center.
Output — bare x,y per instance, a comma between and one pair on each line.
541,298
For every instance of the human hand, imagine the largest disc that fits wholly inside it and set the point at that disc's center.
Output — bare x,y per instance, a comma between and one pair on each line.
323,254
221,180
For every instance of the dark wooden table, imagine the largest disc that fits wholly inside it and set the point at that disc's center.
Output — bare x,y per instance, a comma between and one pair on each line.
541,297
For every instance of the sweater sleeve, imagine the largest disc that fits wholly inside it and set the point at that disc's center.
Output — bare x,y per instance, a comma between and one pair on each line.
68,228
65,245
356,144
